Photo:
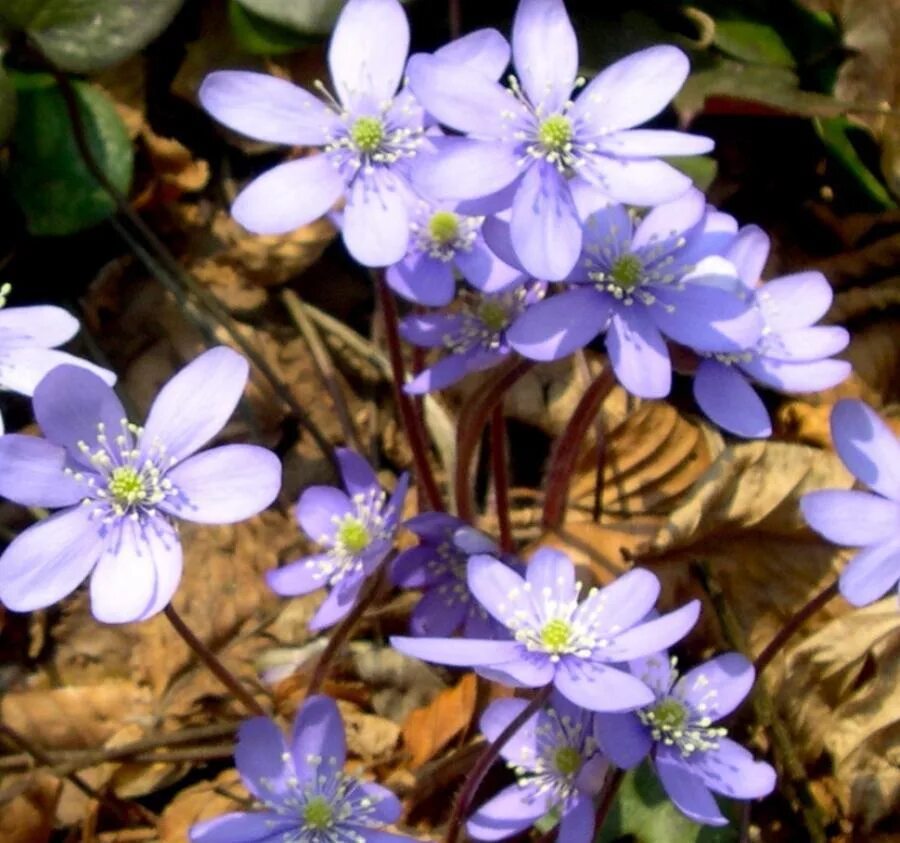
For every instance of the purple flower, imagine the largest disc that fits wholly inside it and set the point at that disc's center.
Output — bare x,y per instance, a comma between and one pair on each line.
575,645
28,340
661,277
526,145
868,447
793,354
306,795
357,528
473,332
367,135
692,756
442,241
437,565
554,756
123,485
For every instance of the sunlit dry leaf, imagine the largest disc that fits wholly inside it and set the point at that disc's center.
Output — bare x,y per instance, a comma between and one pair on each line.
372,738
201,801
429,729
28,815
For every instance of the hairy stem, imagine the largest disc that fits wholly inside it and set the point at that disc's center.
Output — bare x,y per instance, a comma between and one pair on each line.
454,12
793,624
500,473
565,452
412,422
486,759
211,661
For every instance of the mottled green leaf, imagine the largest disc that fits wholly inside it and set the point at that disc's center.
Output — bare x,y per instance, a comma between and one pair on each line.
18,13
47,174
261,37
309,17
87,35
642,813
701,168
752,41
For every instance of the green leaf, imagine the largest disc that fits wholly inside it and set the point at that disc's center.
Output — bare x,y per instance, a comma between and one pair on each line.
7,105
308,17
836,135
643,813
18,13
261,37
701,168
753,42
86,35
47,174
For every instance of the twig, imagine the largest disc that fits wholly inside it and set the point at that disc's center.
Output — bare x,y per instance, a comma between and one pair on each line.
211,661
500,473
454,13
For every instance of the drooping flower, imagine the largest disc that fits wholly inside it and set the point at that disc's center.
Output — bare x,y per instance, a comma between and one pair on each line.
557,766
28,339
663,277
443,240
437,565
527,143
869,520
473,332
367,136
793,354
692,756
557,639
357,530
123,486
305,793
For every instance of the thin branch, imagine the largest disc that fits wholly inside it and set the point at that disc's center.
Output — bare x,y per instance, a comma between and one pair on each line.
500,473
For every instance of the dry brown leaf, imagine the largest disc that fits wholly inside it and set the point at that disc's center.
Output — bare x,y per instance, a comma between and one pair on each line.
29,814
202,801
841,694
429,729
372,738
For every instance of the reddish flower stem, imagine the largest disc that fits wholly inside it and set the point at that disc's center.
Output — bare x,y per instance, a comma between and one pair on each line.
211,661
412,423
774,647
567,447
472,419
611,787
486,759
454,11
500,473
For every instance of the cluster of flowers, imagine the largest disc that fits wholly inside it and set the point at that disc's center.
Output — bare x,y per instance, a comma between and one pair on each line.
537,188
539,201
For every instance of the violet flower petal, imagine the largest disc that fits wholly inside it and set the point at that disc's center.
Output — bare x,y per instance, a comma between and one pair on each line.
867,446
246,827
259,758
484,270
870,574
164,547
439,613
318,732
622,738
267,108
653,143
339,601
368,50
422,279
638,354
386,807
429,330
196,403
465,169
49,560
494,585
748,252
686,789
661,230
446,372
319,510
31,473
289,196
726,398
510,811
797,377
577,823
356,474
622,603
484,50
654,635
457,652
522,748
851,518
36,326
799,345
300,577
22,369
224,485
795,301
545,52
717,687
376,219
733,771
551,571
637,181
527,670
599,687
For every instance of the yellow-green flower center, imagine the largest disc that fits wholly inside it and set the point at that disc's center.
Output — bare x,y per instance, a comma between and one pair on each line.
367,134
556,635
494,315
353,535
126,486
443,227
317,813
567,760
670,715
627,271
555,133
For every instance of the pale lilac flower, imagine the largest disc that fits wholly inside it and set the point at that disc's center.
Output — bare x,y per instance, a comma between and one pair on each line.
442,242
437,565
28,340
123,486
525,145
793,354
557,639
357,530
554,757
870,520
642,282
472,332
305,794
691,755
367,136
